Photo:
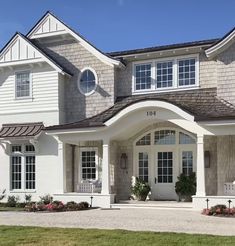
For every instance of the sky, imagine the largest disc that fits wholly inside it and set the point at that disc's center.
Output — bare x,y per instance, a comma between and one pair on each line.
114,25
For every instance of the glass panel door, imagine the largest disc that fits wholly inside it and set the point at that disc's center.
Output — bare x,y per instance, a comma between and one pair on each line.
165,167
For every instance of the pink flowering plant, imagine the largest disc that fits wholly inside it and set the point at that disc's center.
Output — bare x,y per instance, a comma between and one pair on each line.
219,210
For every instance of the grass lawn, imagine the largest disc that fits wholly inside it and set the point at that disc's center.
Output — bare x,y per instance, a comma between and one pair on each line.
18,235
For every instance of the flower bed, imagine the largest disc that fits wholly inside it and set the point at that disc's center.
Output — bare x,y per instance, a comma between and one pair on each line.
219,210
56,206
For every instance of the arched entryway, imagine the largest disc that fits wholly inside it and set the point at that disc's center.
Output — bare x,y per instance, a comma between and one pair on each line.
160,156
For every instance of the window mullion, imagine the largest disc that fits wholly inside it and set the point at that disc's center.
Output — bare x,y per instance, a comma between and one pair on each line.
175,74
153,72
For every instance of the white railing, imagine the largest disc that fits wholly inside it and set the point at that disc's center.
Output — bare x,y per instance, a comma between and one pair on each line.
229,189
87,186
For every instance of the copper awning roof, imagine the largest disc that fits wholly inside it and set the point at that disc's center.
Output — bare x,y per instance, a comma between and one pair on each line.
22,130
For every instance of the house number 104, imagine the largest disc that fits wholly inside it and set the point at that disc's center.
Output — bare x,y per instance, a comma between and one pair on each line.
151,113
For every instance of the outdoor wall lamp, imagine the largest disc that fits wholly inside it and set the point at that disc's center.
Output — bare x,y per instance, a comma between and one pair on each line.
123,161
207,159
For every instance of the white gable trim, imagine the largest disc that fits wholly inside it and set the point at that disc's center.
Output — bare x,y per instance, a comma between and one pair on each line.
20,51
221,45
50,25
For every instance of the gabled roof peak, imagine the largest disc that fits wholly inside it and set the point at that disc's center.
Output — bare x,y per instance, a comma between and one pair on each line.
50,25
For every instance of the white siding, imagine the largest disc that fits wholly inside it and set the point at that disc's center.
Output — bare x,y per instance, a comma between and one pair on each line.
45,95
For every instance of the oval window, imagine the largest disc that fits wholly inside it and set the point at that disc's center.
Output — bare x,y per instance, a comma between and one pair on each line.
87,81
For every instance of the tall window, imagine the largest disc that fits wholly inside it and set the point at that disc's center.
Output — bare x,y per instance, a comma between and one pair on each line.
22,84
88,164
143,77
164,74
165,167
22,167
187,162
143,166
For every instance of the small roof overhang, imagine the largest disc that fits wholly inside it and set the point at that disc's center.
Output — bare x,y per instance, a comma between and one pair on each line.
21,131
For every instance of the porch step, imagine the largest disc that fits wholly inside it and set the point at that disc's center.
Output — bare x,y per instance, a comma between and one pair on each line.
153,205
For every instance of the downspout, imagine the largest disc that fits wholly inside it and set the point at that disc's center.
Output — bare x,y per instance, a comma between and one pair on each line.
73,166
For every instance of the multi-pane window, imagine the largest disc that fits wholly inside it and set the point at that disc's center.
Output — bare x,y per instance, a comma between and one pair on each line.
186,72
22,84
187,162
164,137
185,139
145,140
143,77
165,167
88,165
22,167
164,74
143,166
87,82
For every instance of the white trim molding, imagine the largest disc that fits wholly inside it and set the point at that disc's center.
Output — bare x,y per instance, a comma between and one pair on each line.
147,104
62,29
221,45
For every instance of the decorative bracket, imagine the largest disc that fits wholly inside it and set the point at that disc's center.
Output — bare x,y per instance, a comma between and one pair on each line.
5,145
34,142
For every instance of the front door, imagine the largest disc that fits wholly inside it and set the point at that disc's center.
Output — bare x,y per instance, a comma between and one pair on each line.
165,175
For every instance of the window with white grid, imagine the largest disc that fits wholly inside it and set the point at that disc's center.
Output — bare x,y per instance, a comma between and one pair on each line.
30,172
186,139
187,72
143,166
22,84
88,164
187,162
164,74
165,167
143,77
145,140
22,167
164,137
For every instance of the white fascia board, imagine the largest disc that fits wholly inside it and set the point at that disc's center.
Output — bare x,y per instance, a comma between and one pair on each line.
215,49
69,131
21,62
147,104
104,58
217,123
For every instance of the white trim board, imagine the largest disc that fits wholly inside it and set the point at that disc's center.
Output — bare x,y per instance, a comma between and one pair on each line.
50,25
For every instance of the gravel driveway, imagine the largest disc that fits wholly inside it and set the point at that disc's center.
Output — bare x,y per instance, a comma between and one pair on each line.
187,221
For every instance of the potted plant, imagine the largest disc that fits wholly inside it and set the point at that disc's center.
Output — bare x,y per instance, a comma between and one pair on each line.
185,187
140,189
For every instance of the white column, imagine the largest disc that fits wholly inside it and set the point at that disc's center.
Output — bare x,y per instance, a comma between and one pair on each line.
61,167
201,189
105,168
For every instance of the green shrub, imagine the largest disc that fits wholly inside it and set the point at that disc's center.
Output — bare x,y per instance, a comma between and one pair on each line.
46,199
2,194
12,201
140,189
28,198
185,187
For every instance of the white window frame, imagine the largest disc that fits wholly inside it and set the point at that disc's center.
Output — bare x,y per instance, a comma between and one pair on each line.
175,85
80,76
30,85
84,149
23,155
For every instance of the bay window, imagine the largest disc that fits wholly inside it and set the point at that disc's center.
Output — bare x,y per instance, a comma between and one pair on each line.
163,74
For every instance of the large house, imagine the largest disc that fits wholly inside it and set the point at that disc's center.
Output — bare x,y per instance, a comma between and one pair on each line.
80,123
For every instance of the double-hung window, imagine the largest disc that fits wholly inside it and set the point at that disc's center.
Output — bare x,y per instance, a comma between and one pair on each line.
163,74
89,165
22,161
22,85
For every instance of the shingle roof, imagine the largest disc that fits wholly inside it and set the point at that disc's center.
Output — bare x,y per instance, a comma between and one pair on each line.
203,104
24,130
164,47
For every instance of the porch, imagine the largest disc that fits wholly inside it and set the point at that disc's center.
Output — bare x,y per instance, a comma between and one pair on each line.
207,149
